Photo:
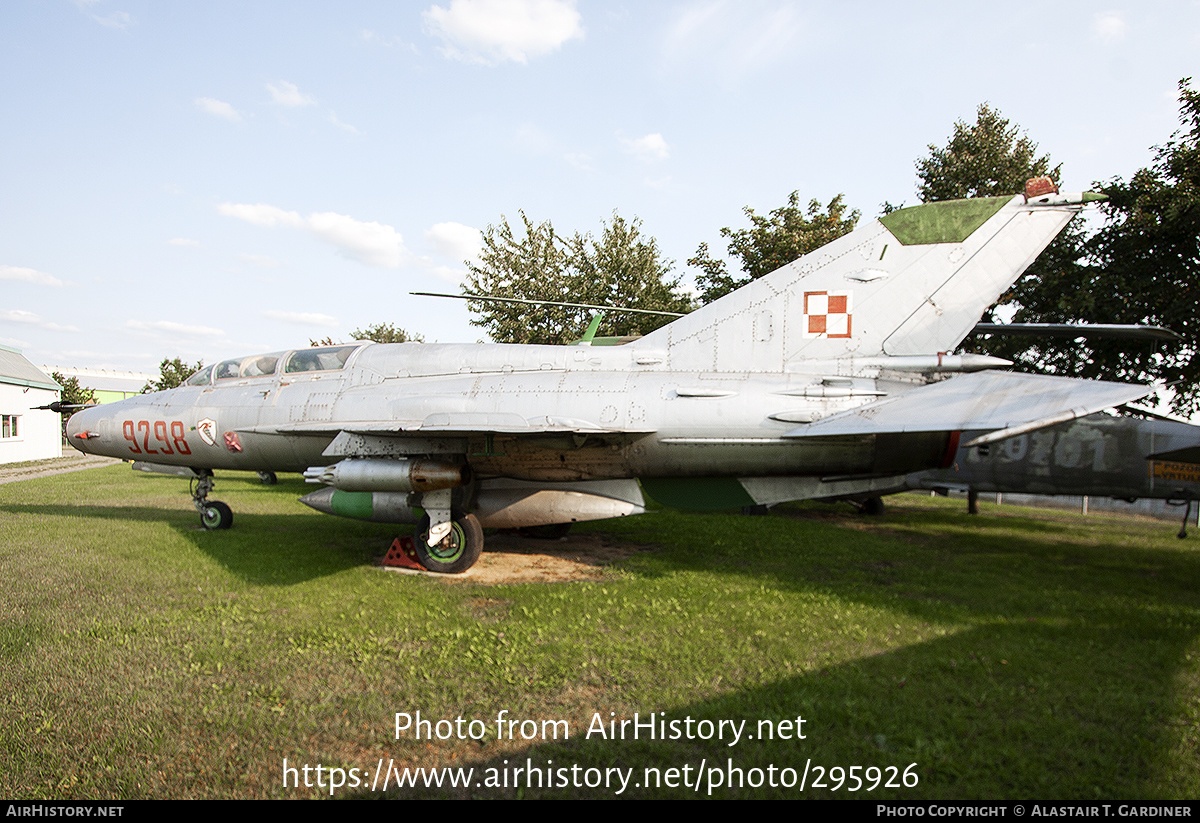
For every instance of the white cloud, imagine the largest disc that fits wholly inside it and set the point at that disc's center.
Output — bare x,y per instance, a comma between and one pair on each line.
346,126
28,276
374,244
114,19
493,31
455,241
287,94
1109,27
174,329
29,318
368,36
260,214
299,318
217,108
183,241
650,147
19,316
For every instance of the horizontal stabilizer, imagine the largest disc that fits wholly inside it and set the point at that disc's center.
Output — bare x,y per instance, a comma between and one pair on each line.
1188,454
1112,331
1011,402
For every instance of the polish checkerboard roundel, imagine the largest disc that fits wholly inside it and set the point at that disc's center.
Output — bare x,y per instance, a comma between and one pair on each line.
827,314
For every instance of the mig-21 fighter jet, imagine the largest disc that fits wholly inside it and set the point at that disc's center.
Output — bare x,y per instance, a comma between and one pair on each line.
824,378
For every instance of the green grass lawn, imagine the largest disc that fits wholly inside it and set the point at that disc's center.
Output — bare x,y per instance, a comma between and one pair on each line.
1017,654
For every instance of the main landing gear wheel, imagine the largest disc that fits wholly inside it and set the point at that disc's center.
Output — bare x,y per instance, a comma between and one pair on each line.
268,478
873,506
216,515
457,551
552,531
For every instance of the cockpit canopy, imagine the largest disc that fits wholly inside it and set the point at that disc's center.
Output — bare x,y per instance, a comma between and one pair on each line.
323,358
326,358
256,365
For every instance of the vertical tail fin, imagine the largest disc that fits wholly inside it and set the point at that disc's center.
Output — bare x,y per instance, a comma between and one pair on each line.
913,282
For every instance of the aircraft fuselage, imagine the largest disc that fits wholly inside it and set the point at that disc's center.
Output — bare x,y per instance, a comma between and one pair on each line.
548,413
1098,455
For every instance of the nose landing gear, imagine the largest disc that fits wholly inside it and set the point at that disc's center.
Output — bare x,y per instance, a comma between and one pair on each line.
213,513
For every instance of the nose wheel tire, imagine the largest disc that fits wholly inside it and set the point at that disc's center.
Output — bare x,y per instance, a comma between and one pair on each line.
216,515
457,551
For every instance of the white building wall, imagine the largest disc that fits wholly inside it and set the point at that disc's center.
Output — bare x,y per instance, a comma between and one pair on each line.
39,433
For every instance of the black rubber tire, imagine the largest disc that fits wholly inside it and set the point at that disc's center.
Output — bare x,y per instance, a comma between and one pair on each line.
457,552
873,506
268,478
216,515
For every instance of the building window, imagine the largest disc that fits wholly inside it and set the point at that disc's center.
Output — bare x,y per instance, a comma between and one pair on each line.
8,425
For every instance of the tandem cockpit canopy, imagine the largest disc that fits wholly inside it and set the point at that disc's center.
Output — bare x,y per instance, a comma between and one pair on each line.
323,358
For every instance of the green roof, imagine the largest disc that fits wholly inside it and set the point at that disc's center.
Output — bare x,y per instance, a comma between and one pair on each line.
16,370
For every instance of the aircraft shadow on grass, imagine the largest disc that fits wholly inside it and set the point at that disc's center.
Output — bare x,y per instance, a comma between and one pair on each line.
1064,678
1065,689
985,713
273,549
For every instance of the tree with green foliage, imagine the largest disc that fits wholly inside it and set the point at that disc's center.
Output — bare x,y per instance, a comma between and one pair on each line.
773,240
172,373
1147,265
379,333
621,267
71,394
982,159
386,333
1143,266
992,157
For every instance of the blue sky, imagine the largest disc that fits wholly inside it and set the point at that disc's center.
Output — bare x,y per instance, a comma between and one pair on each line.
211,179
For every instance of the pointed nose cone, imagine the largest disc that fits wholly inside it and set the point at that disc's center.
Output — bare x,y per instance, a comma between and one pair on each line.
84,429
321,500
77,424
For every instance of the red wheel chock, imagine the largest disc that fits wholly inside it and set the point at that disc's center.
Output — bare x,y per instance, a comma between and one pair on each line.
403,554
